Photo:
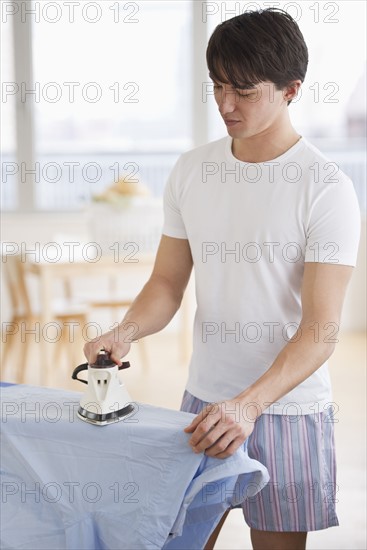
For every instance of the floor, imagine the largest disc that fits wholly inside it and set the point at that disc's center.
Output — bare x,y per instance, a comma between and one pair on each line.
162,381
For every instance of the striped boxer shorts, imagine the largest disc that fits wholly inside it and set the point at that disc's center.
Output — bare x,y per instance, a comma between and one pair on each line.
298,451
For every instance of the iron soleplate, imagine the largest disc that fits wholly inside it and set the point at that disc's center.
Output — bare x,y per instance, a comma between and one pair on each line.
104,419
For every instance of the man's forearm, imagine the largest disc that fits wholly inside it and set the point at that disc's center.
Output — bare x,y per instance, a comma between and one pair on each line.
152,310
300,358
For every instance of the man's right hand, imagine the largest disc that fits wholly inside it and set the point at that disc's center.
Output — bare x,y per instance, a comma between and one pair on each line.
117,342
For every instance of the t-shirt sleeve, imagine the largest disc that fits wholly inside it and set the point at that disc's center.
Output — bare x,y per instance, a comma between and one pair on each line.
173,225
334,225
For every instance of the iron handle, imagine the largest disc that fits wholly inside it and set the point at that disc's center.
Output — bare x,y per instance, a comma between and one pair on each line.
84,366
79,369
125,365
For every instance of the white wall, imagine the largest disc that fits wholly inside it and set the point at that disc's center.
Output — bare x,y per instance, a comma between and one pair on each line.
354,312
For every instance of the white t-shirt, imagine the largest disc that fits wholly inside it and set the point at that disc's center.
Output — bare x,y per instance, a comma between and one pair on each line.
251,227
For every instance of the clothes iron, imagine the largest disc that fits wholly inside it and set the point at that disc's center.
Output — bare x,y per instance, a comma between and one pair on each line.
107,400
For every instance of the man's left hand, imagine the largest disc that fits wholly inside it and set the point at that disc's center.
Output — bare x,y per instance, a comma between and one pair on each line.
220,429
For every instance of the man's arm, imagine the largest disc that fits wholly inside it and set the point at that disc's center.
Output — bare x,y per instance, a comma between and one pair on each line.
156,304
323,291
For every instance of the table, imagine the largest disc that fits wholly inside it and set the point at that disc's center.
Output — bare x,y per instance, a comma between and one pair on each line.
107,266
131,485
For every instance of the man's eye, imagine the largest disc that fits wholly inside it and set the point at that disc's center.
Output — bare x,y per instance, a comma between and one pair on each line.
216,86
249,94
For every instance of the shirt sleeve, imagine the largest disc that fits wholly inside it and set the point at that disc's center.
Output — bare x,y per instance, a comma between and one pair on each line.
173,225
334,225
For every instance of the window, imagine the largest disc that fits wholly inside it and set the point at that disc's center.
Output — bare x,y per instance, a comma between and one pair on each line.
115,88
111,95
117,78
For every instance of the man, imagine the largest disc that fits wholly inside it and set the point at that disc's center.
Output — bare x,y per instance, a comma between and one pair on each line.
271,228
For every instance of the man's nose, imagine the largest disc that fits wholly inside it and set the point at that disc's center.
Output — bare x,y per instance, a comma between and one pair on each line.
227,102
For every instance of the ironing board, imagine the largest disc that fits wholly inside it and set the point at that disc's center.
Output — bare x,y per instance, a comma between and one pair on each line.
131,485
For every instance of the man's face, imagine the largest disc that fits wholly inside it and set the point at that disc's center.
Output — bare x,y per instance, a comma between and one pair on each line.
252,112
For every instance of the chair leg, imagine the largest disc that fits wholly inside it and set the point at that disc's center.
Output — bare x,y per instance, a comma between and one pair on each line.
7,347
76,347
20,361
73,346
22,364
24,348
59,347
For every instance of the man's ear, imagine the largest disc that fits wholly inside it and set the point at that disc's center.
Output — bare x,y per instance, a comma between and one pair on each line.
290,92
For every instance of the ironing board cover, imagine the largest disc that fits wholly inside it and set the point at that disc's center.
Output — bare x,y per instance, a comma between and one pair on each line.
131,485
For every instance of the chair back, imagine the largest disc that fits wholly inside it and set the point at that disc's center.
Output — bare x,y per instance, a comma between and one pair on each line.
16,281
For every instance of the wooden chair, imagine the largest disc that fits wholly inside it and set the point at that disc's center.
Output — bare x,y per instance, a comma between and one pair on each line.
24,318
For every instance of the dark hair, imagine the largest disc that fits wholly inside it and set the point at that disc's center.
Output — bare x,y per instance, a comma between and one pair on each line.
257,46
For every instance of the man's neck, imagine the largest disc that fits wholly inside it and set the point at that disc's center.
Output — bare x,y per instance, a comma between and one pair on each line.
264,148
